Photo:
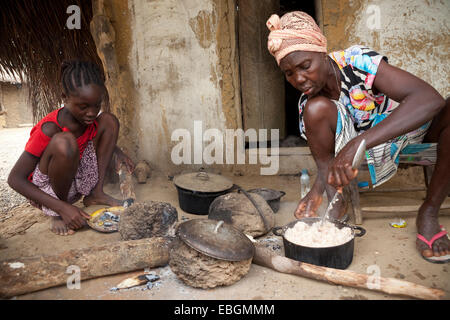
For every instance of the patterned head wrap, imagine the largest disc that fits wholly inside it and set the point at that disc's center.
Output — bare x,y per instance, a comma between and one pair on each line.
295,31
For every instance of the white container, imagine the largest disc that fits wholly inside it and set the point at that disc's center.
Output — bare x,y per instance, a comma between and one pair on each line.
305,185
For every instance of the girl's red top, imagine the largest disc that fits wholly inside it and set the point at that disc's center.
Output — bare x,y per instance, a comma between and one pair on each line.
38,140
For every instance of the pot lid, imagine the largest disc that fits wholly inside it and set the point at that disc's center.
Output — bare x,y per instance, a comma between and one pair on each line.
202,182
216,239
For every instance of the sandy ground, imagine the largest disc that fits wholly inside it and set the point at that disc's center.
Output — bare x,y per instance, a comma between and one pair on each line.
12,142
388,250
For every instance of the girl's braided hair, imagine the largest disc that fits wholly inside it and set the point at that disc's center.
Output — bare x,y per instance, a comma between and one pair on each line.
76,73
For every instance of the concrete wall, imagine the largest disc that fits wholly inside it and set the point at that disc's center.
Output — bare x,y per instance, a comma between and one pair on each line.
413,34
14,100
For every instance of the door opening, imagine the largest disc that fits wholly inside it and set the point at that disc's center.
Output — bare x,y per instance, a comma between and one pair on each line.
268,100
292,95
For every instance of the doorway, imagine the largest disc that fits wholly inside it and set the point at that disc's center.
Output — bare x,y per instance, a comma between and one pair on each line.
291,94
268,100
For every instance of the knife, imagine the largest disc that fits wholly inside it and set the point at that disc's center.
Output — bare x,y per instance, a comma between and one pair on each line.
357,159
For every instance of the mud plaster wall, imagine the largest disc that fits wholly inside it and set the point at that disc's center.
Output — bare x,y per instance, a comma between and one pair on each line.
14,100
182,61
413,34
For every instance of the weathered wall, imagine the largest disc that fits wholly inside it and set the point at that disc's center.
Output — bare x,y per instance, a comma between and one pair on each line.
178,61
413,34
14,100
184,69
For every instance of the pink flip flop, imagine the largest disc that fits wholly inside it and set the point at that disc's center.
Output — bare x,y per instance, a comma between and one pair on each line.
441,259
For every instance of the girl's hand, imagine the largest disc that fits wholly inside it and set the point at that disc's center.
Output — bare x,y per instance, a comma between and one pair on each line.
73,217
340,171
120,157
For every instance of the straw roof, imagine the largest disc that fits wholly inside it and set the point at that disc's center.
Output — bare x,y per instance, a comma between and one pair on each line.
35,40
14,78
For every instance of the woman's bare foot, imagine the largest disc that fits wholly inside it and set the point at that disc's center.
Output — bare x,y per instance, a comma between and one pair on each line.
60,228
428,225
100,197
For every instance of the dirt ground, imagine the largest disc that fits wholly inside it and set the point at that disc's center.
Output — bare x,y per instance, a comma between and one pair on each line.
391,250
25,232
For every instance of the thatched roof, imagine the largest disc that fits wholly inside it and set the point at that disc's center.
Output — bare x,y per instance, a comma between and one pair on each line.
11,78
35,40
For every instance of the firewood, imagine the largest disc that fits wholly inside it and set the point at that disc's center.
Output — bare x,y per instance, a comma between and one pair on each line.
25,275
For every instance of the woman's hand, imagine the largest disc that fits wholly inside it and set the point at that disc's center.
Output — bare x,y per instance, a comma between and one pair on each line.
340,171
73,217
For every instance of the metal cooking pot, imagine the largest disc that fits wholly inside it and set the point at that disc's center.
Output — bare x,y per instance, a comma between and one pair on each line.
197,190
271,196
339,257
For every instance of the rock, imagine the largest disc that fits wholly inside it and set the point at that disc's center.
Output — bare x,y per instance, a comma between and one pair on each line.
201,271
142,171
148,219
237,210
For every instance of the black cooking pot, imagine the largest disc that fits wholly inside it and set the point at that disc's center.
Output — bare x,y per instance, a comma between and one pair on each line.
271,196
338,257
197,190
197,202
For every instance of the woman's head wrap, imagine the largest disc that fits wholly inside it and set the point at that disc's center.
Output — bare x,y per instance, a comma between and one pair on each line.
295,31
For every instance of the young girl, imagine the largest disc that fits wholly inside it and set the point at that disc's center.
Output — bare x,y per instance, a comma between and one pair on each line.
69,151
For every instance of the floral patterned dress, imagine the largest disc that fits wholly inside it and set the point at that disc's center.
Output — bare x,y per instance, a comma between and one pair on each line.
360,109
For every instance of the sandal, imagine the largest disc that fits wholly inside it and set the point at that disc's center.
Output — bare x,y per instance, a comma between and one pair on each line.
441,259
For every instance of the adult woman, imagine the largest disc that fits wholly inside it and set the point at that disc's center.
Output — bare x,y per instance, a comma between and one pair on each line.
351,95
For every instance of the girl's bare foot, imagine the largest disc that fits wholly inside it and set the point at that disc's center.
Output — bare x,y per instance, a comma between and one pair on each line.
100,197
60,228
428,225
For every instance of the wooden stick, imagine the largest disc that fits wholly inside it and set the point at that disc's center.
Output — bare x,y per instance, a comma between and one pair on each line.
267,258
386,190
25,275
126,182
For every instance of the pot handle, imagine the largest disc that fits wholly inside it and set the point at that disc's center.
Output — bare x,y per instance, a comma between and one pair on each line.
218,225
202,175
276,230
362,231
282,193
